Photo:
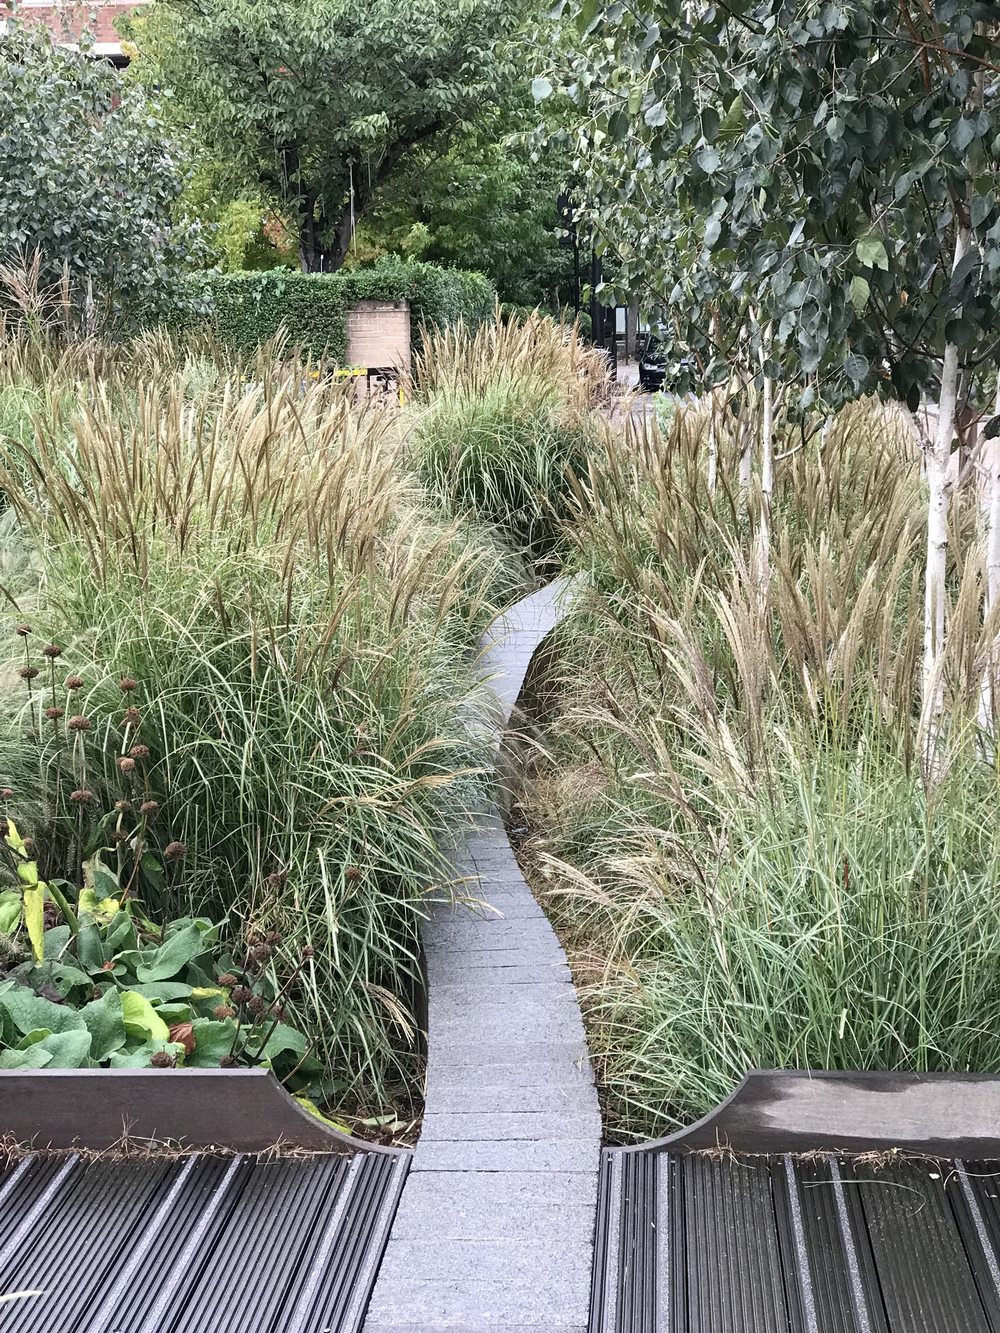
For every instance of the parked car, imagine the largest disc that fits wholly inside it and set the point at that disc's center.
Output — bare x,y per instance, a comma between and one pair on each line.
652,364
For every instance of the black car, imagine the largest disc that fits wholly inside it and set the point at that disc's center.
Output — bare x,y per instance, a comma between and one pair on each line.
652,364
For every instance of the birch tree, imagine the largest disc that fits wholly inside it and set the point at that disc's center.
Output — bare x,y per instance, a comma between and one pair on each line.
842,159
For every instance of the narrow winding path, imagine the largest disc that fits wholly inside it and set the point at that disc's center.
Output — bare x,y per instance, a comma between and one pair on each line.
495,1228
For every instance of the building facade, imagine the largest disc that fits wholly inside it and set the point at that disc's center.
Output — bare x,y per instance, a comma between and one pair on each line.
67,20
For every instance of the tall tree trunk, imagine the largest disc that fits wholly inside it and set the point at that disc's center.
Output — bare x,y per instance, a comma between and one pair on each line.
939,486
713,450
766,481
989,483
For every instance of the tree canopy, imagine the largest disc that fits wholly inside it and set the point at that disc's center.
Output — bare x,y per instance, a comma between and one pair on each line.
319,101
479,200
820,161
89,184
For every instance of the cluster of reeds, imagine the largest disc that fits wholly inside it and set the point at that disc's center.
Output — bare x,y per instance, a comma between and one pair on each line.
259,557
506,417
736,832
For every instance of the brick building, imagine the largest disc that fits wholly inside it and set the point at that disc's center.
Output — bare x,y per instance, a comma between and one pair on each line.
67,19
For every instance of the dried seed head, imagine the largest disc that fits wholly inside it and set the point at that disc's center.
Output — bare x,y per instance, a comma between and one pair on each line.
241,995
6,793
139,752
227,979
175,851
123,807
120,834
149,808
29,846
131,717
260,953
74,682
277,880
79,723
27,673
223,1011
23,630
52,650
227,1062
53,714
81,796
256,1005
126,684
352,873
308,952
126,764
163,1060
273,938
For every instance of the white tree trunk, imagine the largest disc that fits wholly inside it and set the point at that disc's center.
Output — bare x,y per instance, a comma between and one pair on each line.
713,450
989,482
746,456
766,482
939,486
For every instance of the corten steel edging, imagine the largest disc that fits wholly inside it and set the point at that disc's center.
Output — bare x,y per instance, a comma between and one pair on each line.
238,1110
796,1111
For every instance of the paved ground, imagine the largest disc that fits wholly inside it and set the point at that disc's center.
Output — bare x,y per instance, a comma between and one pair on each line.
495,1227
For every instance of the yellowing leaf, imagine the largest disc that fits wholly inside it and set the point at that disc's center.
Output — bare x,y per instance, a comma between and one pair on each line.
34,919
141,1019
14,840
101,909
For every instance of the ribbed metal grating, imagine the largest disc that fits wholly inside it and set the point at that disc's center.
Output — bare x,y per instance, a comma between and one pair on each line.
699,1243
196,1244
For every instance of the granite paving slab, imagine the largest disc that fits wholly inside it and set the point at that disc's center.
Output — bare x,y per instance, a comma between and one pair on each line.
495,1229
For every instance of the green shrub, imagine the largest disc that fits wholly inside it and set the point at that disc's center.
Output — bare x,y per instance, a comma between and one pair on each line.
252,308
503,453
506,421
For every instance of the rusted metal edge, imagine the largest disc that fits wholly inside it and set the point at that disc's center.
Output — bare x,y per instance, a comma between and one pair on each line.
798,1111
238,1110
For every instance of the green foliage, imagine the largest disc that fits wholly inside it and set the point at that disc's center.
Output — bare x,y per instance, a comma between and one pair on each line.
107,987
484,202
817,163
318,101
251,308
91,187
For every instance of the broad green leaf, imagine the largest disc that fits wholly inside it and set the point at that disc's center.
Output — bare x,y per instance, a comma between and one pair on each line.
28,1012
140,1057
32,1038
105,1022
141,1019
36,1057
860,292
163,991
169,960
870,250
10,911
213,1040
69,1050
283,1039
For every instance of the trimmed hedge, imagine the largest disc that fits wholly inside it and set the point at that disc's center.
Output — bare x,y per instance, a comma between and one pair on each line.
250,308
